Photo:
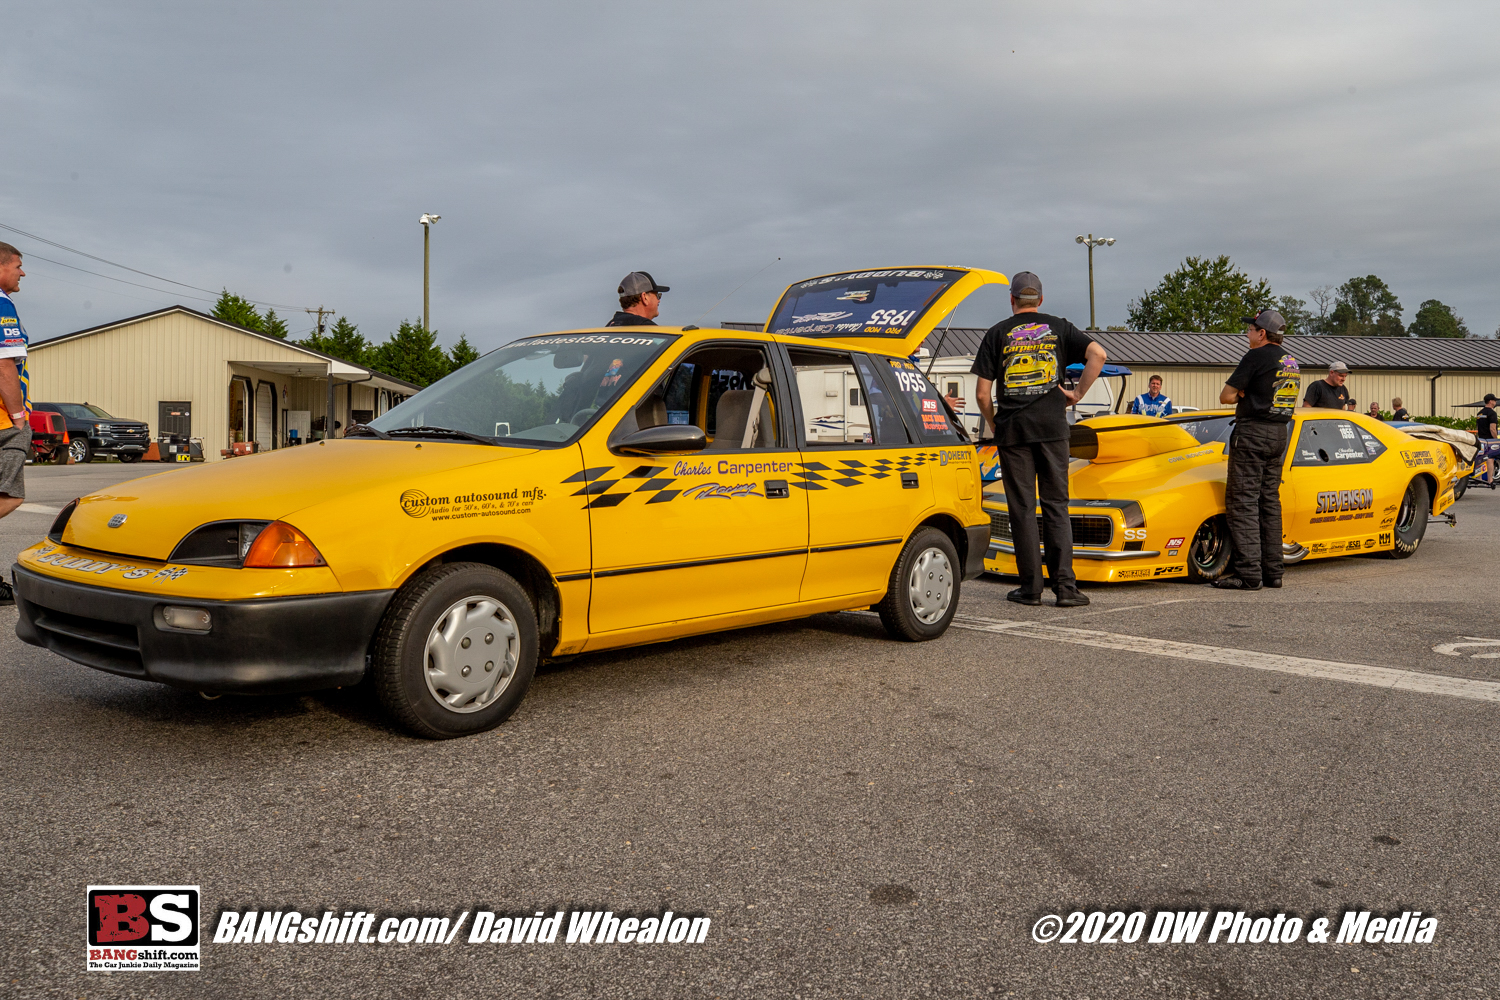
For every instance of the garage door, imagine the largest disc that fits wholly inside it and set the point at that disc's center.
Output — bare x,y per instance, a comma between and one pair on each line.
265,416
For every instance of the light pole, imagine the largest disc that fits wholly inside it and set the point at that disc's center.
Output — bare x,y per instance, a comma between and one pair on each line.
1090,242
427,221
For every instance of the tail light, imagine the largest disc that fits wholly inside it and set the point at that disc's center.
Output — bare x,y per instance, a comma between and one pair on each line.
281,546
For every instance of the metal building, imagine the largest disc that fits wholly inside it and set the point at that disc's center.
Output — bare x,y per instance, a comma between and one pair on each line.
187,373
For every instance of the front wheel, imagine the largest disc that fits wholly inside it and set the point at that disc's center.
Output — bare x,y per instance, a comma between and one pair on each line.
1411,521
80,451
922,594
130,456
456,651
1208,554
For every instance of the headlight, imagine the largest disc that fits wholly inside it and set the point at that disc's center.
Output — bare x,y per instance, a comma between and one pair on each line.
98,428
281,546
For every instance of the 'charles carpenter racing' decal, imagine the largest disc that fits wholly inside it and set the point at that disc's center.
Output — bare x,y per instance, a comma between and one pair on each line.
1333,504
100,567
492,503
660,484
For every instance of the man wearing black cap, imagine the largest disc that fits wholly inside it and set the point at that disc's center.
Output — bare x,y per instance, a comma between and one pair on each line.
1484,429
640,300
1020,364
1264,389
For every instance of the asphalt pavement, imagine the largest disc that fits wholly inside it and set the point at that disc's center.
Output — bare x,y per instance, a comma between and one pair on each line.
857,817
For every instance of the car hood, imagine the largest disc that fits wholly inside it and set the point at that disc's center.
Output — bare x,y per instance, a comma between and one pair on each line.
159,510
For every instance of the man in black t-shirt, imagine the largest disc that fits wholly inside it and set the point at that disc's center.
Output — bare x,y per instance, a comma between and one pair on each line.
1484,429
640,300
1398,412
1264,390
1329,393
1020,365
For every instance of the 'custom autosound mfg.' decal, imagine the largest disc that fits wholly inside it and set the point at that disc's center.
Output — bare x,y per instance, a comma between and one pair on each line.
485,503
1344,505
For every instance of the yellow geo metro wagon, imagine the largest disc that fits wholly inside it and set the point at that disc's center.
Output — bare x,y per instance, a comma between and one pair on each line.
569,492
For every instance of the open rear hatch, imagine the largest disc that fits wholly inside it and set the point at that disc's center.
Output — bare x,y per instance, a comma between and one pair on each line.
890,310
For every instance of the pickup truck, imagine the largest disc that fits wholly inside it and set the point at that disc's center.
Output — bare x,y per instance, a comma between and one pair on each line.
92,431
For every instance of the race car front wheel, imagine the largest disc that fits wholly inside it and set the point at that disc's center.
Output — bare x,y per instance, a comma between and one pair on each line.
456,651
1411,521
1208,556
922,594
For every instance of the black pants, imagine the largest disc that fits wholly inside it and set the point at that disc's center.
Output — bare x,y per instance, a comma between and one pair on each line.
1026,470
1252,498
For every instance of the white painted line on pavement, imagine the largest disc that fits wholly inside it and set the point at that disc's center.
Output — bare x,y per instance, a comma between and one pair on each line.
37,508
1328,670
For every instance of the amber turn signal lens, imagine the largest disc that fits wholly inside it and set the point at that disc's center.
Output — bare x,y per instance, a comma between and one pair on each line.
281,546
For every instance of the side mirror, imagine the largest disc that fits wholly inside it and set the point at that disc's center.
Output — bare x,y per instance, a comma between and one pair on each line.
664,440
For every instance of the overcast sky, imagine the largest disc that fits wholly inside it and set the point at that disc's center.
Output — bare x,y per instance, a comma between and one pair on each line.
285,151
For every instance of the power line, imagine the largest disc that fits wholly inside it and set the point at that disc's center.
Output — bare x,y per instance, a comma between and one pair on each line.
110,277
123,267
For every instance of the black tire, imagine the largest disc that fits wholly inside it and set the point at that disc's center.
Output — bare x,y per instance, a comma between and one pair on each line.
1460,487
1411,521
80,451
411,683
129,456
1209,551
922,593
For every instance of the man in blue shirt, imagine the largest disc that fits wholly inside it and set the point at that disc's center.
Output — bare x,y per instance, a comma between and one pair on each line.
1153,403
15,421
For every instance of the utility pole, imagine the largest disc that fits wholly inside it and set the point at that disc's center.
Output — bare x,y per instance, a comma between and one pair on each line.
328,413
1090,242
427,220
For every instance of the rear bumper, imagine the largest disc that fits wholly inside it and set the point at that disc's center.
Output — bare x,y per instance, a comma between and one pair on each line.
254,647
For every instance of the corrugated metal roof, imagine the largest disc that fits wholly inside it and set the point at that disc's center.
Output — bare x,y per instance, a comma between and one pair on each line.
1427,354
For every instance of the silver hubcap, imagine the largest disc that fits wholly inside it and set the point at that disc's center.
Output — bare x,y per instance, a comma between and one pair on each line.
77,449
930,586
471,654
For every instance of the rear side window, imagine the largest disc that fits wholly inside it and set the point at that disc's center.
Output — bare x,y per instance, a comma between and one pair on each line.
928,414
842,404
1334,442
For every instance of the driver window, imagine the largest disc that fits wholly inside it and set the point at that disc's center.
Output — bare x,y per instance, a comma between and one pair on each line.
715,388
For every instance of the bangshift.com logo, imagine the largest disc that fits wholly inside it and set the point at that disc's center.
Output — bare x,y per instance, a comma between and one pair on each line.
148,928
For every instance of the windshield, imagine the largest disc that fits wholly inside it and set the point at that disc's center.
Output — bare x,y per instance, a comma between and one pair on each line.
542,389
860,303
85,411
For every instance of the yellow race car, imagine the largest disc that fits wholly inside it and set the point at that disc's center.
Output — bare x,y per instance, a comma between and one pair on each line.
566,493
1147,494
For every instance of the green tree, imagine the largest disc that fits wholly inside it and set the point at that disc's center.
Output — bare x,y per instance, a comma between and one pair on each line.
1366,307
1201,295
462,353
343,341
233,309
411,353
1434,319
1294,311
273,324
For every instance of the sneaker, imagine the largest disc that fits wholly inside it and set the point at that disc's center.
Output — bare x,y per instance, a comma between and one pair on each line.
1071,599
1234,583
1274,582
1021,597
8,596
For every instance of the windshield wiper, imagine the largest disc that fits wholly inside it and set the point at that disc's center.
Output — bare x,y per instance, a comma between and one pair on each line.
447,432
359,430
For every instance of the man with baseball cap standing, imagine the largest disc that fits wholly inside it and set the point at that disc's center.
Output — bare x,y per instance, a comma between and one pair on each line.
1484,429
1020,366
640,300
1264,390
15,414
1329,393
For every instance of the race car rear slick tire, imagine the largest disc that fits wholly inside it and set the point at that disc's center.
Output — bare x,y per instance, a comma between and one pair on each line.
1460,488
453,610
922,594
1411,521
1209,551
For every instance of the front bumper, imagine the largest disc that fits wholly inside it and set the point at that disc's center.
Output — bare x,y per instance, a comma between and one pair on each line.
261,646
118,445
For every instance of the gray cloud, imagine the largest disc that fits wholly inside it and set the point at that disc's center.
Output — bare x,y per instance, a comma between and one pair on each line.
567,144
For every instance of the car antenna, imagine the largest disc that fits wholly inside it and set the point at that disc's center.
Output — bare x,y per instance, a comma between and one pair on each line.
939,347
736,288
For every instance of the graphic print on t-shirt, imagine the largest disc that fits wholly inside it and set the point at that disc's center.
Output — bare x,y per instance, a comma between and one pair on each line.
1287,386
1030,360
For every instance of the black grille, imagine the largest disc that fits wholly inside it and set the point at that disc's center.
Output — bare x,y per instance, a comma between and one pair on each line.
107,645
1093,530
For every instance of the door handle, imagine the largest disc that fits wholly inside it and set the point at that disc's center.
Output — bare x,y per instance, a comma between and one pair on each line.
777,489
908,480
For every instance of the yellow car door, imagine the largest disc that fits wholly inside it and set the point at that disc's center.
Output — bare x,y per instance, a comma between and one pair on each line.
691,534
1336,501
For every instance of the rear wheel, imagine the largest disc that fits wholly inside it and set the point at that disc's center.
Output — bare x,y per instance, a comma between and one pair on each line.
1460,487
922,594
456,651
1411,521
1208,554
80,451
